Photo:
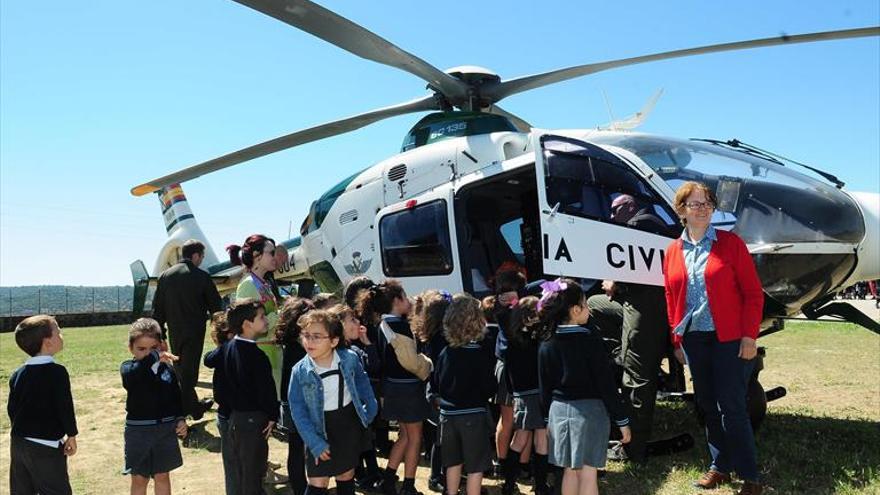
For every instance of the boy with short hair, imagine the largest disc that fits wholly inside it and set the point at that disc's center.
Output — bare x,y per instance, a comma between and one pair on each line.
154,410
251,395
41,411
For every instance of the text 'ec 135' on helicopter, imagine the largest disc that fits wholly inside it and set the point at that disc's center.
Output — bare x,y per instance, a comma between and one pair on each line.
475,186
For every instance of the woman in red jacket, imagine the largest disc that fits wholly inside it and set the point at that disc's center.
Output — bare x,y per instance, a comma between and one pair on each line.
715,303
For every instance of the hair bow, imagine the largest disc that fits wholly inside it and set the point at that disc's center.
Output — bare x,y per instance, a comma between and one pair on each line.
446,296
549,288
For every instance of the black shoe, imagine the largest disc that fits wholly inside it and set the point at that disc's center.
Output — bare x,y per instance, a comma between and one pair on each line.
388,485
497,469
369,483
409,491
437,485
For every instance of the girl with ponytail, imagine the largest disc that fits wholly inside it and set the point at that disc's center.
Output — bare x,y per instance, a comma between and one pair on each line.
387,305
577,387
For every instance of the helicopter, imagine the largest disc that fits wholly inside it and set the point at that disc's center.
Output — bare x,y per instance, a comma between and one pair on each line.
475,186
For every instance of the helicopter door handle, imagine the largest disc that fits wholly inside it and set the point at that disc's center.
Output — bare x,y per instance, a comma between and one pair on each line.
552,211
770,248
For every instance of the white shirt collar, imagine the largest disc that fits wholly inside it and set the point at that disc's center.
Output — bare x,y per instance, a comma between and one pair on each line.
334,363
239,337
39,360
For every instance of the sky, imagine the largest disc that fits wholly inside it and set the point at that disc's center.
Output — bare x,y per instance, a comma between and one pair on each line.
99,96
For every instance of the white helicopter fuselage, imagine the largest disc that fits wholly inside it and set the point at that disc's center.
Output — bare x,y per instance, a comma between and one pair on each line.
343,237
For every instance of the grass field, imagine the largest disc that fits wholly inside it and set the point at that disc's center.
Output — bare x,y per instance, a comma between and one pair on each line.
823,437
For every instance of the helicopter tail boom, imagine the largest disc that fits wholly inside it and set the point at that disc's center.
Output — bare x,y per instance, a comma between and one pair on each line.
181,226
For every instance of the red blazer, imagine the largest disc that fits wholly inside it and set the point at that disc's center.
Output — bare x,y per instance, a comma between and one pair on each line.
736,299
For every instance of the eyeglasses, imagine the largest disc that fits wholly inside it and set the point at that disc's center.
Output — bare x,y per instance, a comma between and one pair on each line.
699,205
313,336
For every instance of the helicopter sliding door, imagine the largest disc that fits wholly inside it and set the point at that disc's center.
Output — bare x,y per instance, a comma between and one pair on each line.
585,232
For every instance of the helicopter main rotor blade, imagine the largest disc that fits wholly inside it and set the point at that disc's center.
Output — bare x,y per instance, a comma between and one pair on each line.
322,131
333,28
525,83
519,123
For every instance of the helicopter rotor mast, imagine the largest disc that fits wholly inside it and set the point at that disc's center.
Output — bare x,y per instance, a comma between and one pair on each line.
468,88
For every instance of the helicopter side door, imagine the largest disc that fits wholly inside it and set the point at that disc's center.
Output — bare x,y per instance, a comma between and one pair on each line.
581,235
417,242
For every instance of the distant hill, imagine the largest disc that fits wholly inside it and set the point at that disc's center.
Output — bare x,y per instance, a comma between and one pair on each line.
56,299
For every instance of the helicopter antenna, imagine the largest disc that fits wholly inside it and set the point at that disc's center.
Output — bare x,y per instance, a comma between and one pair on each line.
608,106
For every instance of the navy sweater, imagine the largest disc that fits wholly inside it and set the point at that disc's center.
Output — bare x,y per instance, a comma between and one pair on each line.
368,355
521,364
152,395
214,360
574,365
464,377
249,374
40,403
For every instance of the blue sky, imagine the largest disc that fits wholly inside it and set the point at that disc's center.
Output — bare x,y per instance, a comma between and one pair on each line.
98,96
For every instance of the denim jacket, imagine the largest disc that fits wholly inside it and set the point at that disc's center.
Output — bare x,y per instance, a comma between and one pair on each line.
306,398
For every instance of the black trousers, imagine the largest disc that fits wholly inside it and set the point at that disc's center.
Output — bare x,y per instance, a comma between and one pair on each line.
638,320
296,455
187,343
249,451
36,468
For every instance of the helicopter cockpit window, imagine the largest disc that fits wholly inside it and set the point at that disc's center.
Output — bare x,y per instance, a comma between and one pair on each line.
415,241
593,183
761,200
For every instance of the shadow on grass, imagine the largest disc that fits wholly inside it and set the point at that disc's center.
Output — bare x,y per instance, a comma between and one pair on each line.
797,453
200,438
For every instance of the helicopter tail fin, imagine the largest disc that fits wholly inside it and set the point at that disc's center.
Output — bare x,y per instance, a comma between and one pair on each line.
181,225
637,118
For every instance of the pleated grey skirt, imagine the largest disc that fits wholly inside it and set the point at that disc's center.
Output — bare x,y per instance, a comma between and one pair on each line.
578,433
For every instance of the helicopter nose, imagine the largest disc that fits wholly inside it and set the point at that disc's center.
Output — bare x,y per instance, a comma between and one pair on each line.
868,267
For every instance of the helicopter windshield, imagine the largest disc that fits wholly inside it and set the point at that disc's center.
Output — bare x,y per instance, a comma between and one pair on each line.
763,201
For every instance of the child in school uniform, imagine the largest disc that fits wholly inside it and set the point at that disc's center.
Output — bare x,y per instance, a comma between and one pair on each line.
528,416
40,409
509,282
380,426
252,397
387,305
287,334
465,380
220,334
426,321
331,402
577,385
154,411
367,474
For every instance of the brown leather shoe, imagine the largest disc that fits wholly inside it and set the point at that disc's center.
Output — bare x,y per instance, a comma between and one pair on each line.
751,488
712,479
